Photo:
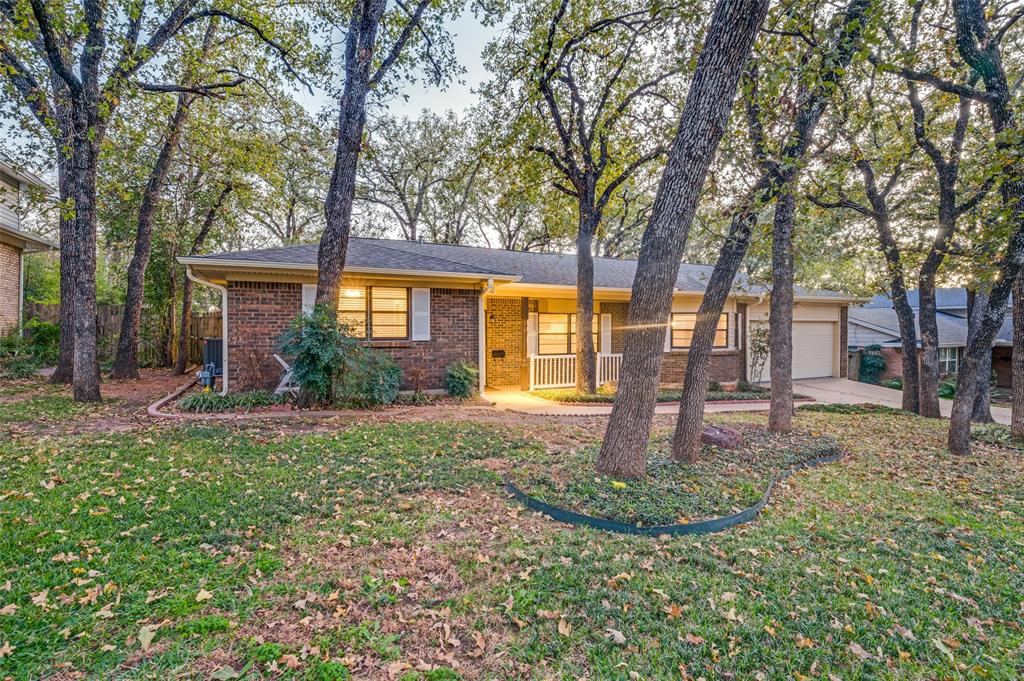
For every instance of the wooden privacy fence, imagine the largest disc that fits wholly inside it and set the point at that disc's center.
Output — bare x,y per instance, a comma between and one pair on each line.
156,345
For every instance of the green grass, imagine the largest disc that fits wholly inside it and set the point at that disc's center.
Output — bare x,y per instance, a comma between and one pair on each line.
379,545
43,408
722,482
572,396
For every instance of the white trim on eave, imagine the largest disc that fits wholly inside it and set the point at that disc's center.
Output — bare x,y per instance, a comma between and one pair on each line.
209,263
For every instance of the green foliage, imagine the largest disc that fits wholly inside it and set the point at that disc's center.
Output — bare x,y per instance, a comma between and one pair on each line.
460,379
715,387
319,350
872,364
328,671
439,674
206,402
896,383
947,389
369,378
205,625
995,434
22,356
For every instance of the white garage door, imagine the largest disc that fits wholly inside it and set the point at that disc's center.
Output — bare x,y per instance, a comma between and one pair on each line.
812,351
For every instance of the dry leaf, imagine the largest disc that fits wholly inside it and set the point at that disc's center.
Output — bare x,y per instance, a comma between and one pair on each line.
203,595
564,628
859,652
693,639
617,637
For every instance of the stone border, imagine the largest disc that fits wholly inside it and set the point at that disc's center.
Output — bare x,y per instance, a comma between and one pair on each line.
701,527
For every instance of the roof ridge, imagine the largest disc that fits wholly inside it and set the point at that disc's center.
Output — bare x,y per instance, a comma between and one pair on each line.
448,260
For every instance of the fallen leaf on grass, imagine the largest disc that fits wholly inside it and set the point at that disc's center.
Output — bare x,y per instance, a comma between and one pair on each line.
224,674
859,652
673,611
904,632
6,649
203,595
693,639
617,637
803,642
147,634
9,609
564,628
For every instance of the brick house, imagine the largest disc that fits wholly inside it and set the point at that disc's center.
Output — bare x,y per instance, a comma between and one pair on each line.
510,313
15,243
876,324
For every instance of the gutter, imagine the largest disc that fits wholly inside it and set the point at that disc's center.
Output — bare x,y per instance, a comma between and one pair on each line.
203,261
223,321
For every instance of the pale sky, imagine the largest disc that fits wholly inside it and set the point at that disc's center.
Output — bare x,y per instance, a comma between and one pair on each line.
469,38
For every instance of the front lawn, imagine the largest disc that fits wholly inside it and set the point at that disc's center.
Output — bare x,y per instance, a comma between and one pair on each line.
387,550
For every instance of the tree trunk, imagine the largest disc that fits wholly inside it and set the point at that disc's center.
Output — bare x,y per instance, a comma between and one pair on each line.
980,50
730,36
586,362
686,441
690,422
186,289
64,372
1017,421
359,56
926,319
126,361
897,288
982,409
86,383
780,319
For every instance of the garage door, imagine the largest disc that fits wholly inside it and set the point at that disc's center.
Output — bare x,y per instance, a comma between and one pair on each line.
812,351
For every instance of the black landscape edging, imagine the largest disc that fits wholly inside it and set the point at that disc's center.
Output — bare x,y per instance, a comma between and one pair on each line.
702,527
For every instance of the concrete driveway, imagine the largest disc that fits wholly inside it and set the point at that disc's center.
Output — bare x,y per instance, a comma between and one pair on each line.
843,391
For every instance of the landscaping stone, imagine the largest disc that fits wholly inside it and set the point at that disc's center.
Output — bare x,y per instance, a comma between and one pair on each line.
721,436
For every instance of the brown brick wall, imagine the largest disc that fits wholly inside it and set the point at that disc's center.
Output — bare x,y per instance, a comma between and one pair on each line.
506,331
10,288
725,366
620,317
258,313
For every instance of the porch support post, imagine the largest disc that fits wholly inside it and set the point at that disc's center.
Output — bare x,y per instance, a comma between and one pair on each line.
524,371
481,342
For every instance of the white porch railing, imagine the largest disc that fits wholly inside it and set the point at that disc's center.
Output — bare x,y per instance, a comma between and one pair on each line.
559,371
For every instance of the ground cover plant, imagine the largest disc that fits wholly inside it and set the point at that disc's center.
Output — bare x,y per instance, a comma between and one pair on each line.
722,482
388,549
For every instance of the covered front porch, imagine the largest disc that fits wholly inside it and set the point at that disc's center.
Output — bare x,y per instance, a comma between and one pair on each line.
529,341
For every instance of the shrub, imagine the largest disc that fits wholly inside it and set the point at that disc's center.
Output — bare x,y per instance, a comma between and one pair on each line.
715,387
745,386
16,358
947,389
319,349
872,364
994,434
368,379
895,383
43,340
460,379
852,409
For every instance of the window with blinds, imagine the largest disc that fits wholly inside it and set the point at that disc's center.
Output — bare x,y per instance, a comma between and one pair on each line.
682,329
376,312
556,333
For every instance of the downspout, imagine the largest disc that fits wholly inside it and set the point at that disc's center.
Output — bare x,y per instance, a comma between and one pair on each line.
223,323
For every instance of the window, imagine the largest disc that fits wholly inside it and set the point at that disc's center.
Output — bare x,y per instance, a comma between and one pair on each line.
352,310
388,317
556,333
949,359
682,329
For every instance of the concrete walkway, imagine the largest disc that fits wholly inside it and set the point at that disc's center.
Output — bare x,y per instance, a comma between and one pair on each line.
827,390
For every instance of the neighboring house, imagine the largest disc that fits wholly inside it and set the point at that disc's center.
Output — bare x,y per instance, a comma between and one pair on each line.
15,243
876,324
510,313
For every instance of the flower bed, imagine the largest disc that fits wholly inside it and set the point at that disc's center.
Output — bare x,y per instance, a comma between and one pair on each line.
722,482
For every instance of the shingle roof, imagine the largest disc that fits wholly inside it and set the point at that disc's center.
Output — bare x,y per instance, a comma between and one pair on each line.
952,329
945,298
531,268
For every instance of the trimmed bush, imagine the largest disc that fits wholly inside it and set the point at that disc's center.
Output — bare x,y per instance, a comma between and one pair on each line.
460,379
369,379
872,364
208,402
